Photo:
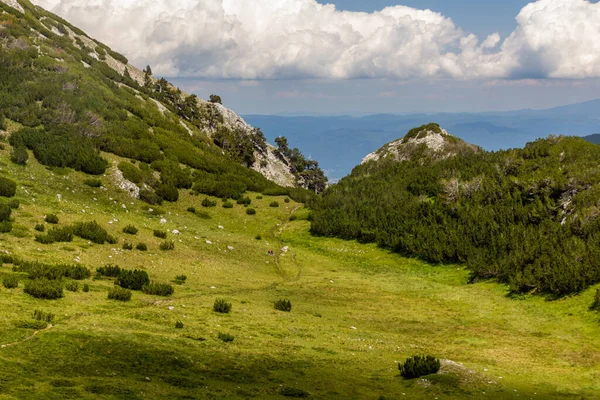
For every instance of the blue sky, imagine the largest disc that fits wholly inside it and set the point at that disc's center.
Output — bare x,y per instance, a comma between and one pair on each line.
303,57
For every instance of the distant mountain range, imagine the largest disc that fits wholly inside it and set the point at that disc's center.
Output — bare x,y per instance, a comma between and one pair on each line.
340,142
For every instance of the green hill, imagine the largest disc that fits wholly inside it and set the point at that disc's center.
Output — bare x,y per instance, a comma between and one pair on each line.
106,296
526,217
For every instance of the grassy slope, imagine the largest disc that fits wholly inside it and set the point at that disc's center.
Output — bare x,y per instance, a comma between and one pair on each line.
357,310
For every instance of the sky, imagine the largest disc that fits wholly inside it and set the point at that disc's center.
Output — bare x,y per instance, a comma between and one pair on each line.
358,57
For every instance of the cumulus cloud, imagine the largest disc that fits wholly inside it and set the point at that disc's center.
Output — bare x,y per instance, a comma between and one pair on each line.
281,39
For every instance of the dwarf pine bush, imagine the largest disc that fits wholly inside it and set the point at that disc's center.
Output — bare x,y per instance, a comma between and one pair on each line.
109,270
39,315
160,234
10,281
158,289
51,219
44,288
226,337
120,294
596,304
222,306
167,246
141,247
283,305
134,280
130,230
417,366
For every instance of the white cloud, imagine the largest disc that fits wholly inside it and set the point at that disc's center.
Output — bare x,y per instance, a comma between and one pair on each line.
270,39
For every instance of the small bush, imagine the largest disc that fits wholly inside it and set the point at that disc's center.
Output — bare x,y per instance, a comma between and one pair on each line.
150,197
120,294
19,155
222,306
246,201
72,286
287,200
158,289
283,305
258,237
8,188
203,215
226,337
51,219
160,234
39,315
178,325
127,246
208,203
35,325
10,281
167,246
130,172
134,280
91,231
293,392
40,227
95,183
5,212
86,288
142,247
44,289
417,366
14,204
181,278
274,204
111,239
37,270
228,204
596,304
5,226
293,217
192,210
130,230
63,235
259,197
250,211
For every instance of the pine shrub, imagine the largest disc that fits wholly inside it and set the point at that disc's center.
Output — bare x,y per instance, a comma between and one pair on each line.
40,227
86,288
203,215
39,315
51,219
8,187
208,203
226,337
120,294
38,270
192,210
288,391
246,201
134,280
150,197
283,305
178,325
19,155
10,281
250,211
274,204
167,246
180,279
127,246
91,231
5,226
259,197
62,235
5,212
44,288
130,230
14,204
417,366
158,289
95,183
287,200
142,247
160,234
222,306
72,286
228,204
35,325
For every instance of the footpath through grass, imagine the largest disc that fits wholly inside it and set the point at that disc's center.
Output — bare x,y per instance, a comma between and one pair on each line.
356,311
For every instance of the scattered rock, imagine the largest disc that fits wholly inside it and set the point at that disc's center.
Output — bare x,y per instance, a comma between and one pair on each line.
163,221
176,232
59,197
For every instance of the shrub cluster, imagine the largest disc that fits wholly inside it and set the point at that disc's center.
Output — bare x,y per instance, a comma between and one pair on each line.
10,281
51,219
72,286
62,235
228,204
134,280
14,204
91,182
417,366
92,231
160,234
44,288
8,187
246,201
222,306
130,230
283,305
117,293
141,247
38,270
5,226
208,203
39,315
158,289
127,246
274,204
5,212
180,279
40,227
167,246
130,172
226,337
19,155
250,211
35,325
150,197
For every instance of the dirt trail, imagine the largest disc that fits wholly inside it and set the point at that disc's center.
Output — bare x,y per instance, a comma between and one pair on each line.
27,338
273,234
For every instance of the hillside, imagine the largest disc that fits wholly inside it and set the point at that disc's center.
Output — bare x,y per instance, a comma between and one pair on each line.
65,96
527,217
595,138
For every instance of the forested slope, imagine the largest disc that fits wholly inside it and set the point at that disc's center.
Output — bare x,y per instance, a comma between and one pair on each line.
527,217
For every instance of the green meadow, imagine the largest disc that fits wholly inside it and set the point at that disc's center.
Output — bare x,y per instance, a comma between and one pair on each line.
356,312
